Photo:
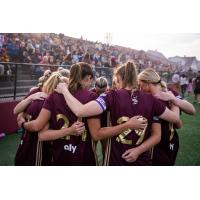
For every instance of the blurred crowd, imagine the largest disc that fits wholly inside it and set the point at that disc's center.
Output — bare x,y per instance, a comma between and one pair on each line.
58,49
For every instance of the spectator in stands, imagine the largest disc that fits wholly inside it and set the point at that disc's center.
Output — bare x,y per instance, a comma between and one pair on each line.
2,40
40,69
176,82
75,57
189,87
197,88
67,60
87,58
183,84
113,62
8,73
2,70
4,57
37,56
13,48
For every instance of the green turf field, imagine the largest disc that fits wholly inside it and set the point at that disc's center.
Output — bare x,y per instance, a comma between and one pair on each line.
189,152
8,147
189,135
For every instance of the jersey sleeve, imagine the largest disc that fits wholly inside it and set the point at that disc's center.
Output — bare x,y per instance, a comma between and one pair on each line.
93,96
176,94
48,103
158,107
103,101
35,90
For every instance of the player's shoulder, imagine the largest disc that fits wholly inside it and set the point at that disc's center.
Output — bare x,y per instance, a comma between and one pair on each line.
35,90
144,95
55,95
176,94
85,92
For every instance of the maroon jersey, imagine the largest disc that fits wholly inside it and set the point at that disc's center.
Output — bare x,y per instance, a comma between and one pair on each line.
124,105
30,150
93,90
33,91
103,116
71,150
166,151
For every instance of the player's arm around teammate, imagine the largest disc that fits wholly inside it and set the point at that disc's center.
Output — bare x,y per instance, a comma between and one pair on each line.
132,154
93,108
76,129
99,133
183,104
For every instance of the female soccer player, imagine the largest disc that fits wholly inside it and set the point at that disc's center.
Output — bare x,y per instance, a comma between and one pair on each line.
74,149
166,151
31,151
26,153
131,147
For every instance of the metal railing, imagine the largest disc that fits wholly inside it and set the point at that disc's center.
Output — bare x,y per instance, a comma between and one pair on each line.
11,84
24,76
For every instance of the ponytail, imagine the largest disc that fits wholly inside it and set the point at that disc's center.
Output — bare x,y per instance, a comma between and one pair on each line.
149,75
128,74
75,78
78,72
50,85
44,78
163,85
130,77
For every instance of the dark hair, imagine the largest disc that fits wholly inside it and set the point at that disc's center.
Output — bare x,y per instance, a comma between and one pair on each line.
78,72
128,74
87,55
68,57
198,74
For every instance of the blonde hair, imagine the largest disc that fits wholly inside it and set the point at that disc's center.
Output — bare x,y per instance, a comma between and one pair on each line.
64,72
50,85
128,74
149,75
101,82
44,78
64,79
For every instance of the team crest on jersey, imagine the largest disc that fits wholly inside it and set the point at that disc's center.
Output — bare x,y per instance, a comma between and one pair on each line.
134,100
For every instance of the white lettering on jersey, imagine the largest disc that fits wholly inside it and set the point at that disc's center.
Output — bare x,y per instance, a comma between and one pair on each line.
171,146
70,147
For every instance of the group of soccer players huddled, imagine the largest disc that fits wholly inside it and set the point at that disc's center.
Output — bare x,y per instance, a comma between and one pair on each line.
134,120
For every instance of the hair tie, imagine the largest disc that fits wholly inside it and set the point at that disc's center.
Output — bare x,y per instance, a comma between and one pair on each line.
159,81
